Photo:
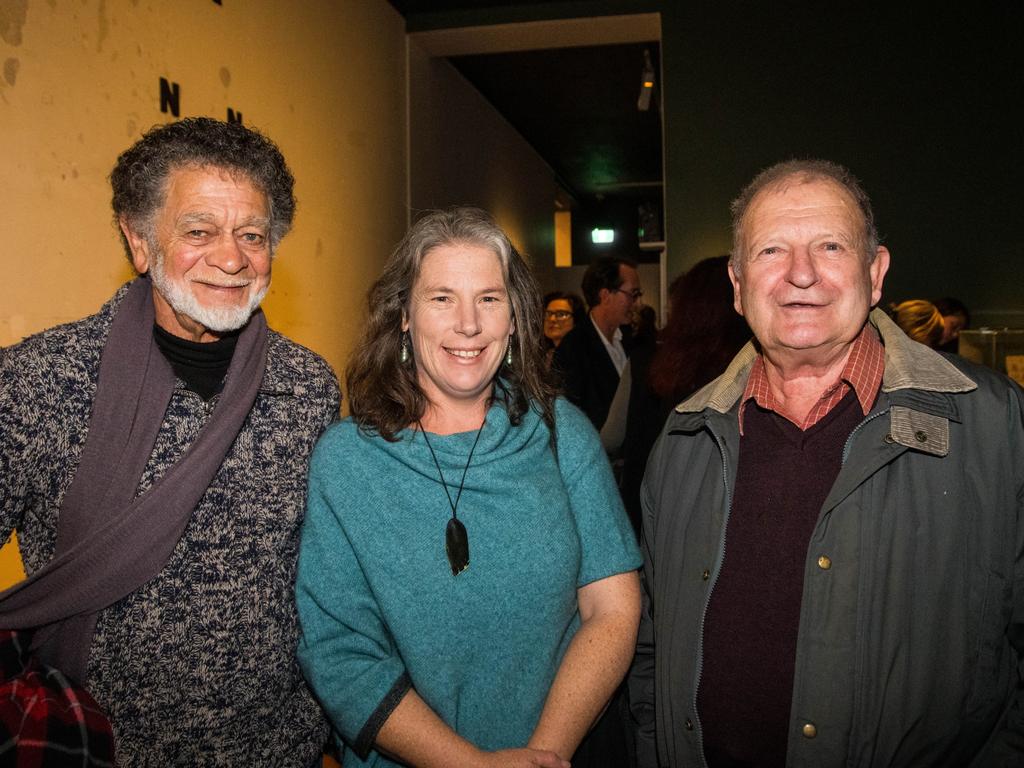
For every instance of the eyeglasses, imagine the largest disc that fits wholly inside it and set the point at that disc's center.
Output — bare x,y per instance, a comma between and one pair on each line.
557,314
636,293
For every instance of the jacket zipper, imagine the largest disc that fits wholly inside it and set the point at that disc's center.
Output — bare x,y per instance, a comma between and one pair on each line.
849,439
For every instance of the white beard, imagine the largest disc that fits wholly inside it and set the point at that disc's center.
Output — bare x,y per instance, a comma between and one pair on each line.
183,301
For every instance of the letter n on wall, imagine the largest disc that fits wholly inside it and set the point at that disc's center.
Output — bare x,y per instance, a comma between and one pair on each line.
170,97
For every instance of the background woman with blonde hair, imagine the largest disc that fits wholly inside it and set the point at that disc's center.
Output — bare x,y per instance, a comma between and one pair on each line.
920,320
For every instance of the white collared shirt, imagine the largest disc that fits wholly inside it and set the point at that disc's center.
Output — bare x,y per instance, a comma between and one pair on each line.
615,349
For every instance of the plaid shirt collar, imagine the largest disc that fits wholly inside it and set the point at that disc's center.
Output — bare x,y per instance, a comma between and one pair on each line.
862,373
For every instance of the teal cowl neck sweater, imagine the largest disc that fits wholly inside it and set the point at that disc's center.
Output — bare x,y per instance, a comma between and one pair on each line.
380,609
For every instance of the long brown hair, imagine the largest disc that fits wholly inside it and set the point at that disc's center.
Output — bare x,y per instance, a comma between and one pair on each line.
703,333
384,395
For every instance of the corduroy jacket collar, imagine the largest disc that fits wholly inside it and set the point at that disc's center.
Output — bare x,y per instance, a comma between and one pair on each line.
908,365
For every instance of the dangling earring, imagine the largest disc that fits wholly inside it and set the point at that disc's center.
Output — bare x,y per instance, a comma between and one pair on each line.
404,355
508,353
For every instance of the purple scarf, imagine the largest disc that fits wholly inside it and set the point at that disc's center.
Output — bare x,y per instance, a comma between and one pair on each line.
109,543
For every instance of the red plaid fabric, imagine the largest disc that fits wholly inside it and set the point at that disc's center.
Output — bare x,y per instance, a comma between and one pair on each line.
46,721
862,372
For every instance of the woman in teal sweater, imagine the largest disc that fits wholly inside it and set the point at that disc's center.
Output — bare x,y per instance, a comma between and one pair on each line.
467,585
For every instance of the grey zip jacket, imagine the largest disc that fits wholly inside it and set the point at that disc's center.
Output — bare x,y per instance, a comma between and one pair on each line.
912,619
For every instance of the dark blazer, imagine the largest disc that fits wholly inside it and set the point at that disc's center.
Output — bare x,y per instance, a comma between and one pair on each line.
589,377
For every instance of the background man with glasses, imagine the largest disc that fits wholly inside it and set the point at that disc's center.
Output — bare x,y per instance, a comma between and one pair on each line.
591,357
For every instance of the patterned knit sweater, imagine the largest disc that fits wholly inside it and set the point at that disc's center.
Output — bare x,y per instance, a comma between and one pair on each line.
197,667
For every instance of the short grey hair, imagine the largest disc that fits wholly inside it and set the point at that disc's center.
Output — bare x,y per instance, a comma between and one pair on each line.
800,172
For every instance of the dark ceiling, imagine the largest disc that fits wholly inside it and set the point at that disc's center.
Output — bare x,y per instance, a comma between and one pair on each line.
411,7
576,106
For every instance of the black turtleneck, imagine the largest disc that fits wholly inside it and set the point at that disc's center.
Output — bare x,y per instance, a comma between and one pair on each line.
201,365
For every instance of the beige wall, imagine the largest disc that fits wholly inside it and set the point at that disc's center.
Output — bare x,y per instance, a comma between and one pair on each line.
79,82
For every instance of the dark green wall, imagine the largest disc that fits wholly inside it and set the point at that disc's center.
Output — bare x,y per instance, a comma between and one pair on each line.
920,105
917,105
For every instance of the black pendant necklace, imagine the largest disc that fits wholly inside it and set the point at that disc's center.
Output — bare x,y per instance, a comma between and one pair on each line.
456,540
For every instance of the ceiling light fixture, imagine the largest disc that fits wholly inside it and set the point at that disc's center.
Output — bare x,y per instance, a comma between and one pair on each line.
643,103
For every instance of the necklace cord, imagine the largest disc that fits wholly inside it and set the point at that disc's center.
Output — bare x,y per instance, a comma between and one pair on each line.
454,505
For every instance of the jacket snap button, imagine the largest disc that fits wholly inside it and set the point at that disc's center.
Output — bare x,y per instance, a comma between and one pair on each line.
921,437
824,562
689,724
705,575
809,730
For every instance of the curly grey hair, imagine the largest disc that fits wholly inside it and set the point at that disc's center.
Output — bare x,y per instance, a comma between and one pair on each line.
139,178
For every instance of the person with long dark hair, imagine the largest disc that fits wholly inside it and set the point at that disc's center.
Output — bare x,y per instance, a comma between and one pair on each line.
702,335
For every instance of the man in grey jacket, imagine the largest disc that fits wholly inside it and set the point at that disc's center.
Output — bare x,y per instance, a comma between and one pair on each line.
832,529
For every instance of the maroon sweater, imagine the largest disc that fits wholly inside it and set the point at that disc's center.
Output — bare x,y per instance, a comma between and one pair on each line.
750,630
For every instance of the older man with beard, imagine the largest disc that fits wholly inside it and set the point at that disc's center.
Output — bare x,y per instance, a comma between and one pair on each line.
153,460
